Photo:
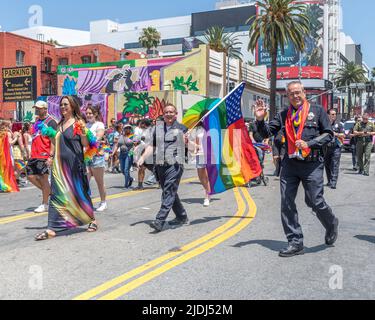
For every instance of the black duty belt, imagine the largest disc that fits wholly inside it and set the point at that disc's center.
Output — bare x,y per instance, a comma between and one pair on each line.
315,155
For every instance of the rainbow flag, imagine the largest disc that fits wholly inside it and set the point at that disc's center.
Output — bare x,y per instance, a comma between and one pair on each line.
230,156
7,179
20,164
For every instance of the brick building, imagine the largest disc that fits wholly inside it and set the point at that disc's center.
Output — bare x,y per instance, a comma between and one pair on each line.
18,51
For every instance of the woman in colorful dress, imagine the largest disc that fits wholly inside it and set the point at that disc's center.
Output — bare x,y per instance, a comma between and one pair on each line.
8,181
70,204
96,166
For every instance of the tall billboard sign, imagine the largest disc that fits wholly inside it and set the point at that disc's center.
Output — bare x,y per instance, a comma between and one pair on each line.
308,64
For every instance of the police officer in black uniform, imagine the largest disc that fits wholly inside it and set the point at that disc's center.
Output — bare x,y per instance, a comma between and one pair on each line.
317,132
168,142
332,151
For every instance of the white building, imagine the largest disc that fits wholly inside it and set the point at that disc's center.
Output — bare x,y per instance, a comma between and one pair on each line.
117,35
65,37
232,16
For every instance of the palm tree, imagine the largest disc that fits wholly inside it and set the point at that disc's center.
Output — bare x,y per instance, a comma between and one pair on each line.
220,41
53,42
280,22
150,38
351,73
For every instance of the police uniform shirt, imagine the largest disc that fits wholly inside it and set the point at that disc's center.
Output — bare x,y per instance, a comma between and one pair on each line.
317,131
168,142
338,128
257,137
364,127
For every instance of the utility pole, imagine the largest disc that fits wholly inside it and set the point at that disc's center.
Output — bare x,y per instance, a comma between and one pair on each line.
228,69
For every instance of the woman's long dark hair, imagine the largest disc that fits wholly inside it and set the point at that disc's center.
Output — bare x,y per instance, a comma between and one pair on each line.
75,106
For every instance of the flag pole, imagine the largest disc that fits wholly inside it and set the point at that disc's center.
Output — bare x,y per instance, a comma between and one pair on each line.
213,109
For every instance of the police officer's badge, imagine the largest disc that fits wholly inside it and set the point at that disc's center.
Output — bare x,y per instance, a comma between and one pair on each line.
311,116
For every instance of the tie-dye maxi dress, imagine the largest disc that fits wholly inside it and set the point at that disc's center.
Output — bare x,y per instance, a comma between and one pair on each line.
70,204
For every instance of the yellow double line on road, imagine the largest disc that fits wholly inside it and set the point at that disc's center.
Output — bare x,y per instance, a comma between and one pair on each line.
116,288
26,216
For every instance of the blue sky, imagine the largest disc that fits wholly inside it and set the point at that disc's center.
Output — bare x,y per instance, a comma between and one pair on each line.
358,15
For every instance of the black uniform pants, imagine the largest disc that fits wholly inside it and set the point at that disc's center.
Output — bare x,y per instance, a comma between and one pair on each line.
294,172
170,178
332,157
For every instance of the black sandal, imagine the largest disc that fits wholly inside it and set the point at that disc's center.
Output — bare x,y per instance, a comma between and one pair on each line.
93,227
43,236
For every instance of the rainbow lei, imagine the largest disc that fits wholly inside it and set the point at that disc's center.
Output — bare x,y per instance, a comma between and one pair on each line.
93,149
296,117
105,148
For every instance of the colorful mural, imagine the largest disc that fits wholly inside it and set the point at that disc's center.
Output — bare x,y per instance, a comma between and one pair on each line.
189,74
100,100
185,73
185,85
135,106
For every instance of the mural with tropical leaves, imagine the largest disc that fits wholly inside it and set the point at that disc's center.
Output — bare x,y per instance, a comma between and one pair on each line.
143,105
179,83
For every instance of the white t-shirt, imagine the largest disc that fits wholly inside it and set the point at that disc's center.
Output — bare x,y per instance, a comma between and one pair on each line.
95,127
138,133
196,140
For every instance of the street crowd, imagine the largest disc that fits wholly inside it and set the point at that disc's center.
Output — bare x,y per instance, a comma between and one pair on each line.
52,155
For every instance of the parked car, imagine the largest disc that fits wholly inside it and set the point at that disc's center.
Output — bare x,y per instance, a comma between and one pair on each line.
348,126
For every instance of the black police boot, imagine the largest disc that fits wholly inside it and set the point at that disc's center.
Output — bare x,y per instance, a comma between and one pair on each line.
333,185
179,222
159,225
332,234
329,185
291,251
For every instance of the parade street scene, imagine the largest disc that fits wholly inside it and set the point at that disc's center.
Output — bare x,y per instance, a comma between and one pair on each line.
215,150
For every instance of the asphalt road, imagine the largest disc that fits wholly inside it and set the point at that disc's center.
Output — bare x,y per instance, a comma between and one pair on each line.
229,251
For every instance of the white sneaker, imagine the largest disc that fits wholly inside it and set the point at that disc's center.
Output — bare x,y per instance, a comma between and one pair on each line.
41,209
206,203
103,206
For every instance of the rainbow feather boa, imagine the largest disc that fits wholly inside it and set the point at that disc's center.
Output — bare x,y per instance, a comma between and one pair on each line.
79,129
93,149
44,130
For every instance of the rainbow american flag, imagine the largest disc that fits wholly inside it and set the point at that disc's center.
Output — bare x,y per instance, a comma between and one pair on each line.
230,156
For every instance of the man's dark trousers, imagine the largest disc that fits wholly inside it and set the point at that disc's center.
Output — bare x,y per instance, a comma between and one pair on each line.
294,172
170,178
332,159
